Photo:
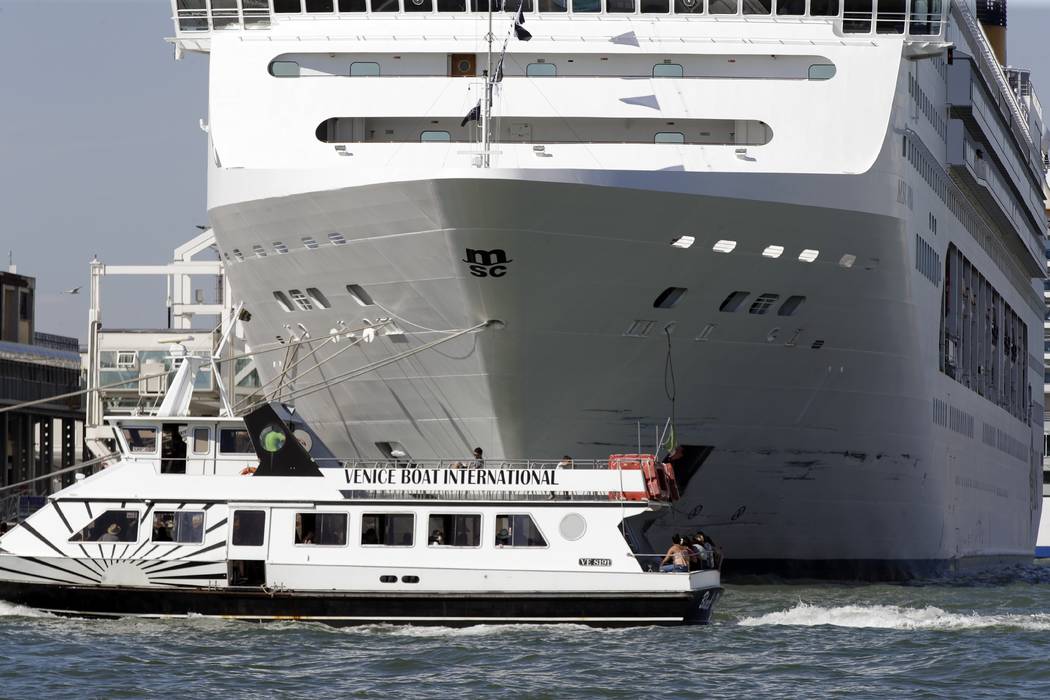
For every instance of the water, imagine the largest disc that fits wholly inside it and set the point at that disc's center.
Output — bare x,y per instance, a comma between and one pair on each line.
983,637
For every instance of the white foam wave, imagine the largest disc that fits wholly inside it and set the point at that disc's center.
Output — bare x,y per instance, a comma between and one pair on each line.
480,630
12,610
893,617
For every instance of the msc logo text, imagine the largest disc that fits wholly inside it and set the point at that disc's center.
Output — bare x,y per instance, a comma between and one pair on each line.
487,263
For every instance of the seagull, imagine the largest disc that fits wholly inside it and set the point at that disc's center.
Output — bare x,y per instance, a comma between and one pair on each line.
74,290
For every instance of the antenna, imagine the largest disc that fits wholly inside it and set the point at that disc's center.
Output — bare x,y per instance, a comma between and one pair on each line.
486,130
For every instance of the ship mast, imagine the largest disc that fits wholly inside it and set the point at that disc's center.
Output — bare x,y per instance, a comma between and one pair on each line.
486,133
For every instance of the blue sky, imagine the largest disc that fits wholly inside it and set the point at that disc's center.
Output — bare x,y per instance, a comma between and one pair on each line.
100,150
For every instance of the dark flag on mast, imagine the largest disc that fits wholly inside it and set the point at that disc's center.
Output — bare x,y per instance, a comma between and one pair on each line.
499,70
519,23
473,115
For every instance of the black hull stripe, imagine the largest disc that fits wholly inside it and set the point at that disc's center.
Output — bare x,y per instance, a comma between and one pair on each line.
216,526
39,576
207,577
90,561
93,578
183,565
32,531
63,517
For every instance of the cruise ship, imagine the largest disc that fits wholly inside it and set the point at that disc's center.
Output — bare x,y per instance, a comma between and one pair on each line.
796,243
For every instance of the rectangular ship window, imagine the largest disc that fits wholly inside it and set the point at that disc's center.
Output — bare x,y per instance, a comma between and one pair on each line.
518,530
388,529
321,529
454,530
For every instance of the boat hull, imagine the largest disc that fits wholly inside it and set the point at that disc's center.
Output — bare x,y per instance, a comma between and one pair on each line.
347,609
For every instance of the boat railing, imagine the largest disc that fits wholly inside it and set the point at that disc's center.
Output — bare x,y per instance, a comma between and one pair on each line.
461,463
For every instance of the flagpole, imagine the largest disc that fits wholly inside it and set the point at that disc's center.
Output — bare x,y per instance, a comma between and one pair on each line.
485,133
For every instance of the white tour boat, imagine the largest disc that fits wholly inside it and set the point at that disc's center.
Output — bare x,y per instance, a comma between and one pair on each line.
250,519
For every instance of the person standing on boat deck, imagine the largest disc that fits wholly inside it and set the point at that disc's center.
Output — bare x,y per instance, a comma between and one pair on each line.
677,558
479,460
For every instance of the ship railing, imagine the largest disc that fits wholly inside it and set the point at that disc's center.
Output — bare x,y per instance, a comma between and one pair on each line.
462,463
493,496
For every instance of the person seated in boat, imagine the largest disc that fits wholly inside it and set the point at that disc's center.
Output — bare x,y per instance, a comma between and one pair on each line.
370,536
162,528
677,558
196,533
112,534
703,552
436,538
503,538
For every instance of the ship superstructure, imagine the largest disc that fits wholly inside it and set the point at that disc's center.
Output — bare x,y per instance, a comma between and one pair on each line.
801,237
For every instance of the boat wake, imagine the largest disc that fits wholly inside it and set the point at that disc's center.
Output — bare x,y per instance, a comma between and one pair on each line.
893,617
12,610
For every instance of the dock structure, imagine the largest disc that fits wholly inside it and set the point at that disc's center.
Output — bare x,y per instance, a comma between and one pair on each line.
37,439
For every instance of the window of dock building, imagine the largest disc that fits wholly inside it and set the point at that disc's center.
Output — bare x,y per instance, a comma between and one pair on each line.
667,70
540,70
141,440
615,6
824,8
178,526
723,7
654,6
388,529
518,530
352,5
249,528
111,526
791,7
235,441
418,6
689,7
586,5
435,137
364,68
284,69
454,530
758,7
321,529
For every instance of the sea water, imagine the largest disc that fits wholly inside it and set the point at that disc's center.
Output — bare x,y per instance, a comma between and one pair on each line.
963,637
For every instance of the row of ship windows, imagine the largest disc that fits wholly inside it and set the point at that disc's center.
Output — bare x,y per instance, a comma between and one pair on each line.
963,423
773,251
330,529
540,69
816,8
315,298
279,248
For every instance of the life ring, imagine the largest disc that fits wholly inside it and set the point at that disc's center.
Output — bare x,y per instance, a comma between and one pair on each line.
248,471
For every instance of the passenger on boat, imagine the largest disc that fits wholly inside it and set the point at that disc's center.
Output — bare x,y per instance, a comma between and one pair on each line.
437,538
370,536
503,538
162,528
479,460
714,549
112,534
703,552
677,558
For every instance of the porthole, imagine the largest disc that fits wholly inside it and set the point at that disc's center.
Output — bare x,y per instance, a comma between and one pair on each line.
733,302
318,297
409,579
283,301
272,438
388,579
358,293
669,297
790,305
573,527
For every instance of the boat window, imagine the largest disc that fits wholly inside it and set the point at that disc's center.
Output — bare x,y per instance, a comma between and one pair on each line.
613,6
824,8
111,526
432,136
418,6
551,5
336,238
654,6
249,527
518,531
761,305
758,7
309,242
318,297
689,7
667,70
282,300
321,529
201,441
235,441
586,5
669,137
367,68
452,5
141,440
822,71
284,69
790,305
791,7
301,300
723,7
454,530
179,526
280,248
733,301
669,297
512,5
384,5
287,6
352,5
320,5
540,70
359,294
388,529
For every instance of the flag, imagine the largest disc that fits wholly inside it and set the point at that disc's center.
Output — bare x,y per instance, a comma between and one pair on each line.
499,70
473,115
519,24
